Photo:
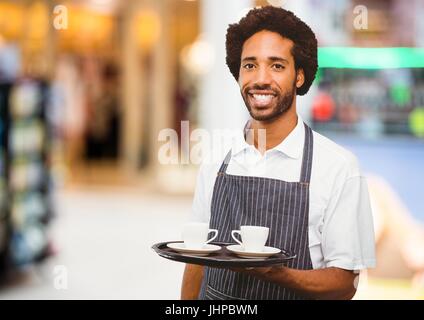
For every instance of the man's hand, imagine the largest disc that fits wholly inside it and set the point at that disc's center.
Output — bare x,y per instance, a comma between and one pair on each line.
329,283
256,272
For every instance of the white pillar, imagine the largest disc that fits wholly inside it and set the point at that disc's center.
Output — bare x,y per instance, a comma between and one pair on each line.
132,91
221,105
162,82
419,24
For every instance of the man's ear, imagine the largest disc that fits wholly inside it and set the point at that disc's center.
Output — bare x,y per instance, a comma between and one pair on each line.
300,78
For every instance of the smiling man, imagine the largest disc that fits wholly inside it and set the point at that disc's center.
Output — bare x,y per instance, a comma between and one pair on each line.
305,188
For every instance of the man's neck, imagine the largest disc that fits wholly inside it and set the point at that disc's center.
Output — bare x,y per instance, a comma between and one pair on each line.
275,131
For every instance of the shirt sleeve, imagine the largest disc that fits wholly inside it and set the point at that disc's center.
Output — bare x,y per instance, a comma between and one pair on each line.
200,208
348,232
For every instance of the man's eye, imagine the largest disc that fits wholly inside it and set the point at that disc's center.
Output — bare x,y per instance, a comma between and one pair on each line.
249,66
278,66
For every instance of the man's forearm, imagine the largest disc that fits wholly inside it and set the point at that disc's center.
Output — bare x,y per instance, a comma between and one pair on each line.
329,283
192,281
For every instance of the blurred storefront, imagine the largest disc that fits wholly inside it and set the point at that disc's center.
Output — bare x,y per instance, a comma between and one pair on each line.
95,82
115,71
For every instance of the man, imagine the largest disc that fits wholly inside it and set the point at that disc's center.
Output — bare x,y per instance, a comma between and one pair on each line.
304,187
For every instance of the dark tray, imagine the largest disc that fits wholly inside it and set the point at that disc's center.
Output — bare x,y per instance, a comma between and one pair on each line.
222,258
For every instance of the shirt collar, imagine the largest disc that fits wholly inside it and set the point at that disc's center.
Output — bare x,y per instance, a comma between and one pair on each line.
239,142
291,146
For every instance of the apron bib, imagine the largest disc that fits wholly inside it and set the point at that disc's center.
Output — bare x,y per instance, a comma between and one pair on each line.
281,206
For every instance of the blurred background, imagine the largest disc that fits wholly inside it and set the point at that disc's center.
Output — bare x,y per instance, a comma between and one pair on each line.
87,86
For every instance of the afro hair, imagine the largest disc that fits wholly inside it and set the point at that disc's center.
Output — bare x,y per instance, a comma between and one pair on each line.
286,24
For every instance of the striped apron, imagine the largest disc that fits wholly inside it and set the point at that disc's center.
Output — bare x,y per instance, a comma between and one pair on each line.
281,206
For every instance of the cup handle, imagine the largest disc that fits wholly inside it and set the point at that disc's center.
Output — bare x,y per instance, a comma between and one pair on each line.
233,233
214,236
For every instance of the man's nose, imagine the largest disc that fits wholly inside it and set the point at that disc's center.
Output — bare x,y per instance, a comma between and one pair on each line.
263,77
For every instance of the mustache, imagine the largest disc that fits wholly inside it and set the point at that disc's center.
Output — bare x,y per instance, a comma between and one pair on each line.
260,87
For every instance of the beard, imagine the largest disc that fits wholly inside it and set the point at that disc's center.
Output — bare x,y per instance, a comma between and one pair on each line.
280,104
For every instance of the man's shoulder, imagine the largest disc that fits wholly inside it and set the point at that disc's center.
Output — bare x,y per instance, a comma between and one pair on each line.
212,162
334,156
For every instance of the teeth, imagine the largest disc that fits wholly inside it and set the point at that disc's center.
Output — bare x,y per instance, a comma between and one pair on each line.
263,98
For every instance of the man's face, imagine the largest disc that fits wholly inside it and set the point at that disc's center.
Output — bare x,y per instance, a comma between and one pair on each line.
267,76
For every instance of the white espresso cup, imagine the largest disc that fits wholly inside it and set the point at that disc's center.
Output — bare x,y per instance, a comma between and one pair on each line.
195,235
253,238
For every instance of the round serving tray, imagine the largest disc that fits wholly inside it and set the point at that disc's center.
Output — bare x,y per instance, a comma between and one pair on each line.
222,258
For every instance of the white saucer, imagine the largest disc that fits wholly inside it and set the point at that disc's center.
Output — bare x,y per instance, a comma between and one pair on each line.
238,250
207,249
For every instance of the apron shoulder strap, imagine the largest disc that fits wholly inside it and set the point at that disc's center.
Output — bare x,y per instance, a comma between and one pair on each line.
225,163
308,148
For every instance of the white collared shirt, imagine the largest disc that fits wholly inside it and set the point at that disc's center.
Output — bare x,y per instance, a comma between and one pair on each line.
341,232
